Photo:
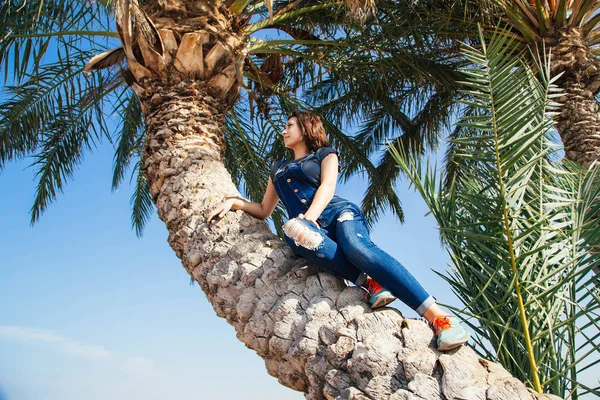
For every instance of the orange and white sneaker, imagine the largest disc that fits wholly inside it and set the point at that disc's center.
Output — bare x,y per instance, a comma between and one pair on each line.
449,333
377,295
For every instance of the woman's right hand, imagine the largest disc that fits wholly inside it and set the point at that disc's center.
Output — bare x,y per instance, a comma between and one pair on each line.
219,211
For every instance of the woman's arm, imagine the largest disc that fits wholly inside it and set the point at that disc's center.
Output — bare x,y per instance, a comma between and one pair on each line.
329,174
262,210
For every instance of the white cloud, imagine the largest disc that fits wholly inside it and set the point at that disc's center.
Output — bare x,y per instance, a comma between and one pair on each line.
67,345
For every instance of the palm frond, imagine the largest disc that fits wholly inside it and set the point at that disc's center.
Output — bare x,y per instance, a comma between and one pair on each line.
513,221
54,116
131,137
73,129
380,194
29,29
142,207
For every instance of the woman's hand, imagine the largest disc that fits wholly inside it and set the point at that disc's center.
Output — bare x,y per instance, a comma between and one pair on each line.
219,211
310,219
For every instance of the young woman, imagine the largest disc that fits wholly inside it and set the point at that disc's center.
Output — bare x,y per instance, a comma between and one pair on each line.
330,231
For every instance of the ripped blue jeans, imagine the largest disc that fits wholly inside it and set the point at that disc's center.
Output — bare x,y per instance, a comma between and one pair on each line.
342,245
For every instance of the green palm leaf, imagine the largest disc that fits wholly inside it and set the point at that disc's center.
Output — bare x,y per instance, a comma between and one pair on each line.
131,138
513,220
58,117
29,29
141,200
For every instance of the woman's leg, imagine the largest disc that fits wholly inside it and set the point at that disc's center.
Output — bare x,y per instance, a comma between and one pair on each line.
314,245
353,237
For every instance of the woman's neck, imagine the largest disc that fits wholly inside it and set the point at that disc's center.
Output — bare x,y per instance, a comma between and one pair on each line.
300,151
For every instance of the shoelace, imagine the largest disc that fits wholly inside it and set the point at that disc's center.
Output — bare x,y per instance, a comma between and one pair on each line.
440,324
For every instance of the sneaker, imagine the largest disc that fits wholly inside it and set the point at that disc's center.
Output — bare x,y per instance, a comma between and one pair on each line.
377,295
449,333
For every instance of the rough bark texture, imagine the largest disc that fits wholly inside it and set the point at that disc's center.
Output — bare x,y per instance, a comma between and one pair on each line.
315,334
579,122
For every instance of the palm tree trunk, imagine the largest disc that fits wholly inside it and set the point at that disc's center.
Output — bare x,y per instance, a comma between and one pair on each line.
579,127
579,124
315,334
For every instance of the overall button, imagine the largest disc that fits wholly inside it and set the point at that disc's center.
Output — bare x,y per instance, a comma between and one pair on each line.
295,190
303,200
289,180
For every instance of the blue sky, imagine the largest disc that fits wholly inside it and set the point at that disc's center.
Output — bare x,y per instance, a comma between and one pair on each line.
89,311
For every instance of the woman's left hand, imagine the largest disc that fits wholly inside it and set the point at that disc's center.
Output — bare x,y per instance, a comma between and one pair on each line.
309,219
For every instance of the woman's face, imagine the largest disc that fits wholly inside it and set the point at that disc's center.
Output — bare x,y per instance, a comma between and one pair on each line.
292,134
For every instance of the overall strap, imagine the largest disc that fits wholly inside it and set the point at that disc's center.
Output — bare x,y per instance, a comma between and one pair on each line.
308,157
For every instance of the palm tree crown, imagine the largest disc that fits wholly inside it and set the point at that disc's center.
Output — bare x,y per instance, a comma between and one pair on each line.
63,81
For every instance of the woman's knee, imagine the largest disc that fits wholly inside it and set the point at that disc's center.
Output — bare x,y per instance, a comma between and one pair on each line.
357,244
347,215
297,230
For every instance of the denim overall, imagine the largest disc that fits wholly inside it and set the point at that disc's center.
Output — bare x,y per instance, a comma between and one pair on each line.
345,247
